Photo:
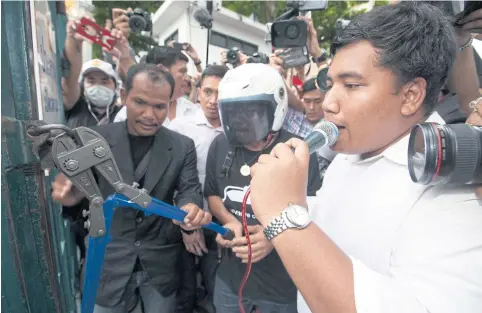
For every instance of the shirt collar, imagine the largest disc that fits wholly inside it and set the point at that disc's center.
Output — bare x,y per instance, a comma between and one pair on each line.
398,151
200,119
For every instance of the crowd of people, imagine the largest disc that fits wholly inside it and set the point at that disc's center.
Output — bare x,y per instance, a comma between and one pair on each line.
369,240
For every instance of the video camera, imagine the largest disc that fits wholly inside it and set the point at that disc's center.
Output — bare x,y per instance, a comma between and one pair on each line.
258,57
290,33
139,20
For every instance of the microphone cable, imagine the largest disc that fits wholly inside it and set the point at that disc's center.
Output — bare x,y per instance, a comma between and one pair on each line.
324,133
244,222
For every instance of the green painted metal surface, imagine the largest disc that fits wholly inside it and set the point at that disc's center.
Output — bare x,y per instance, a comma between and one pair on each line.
38,250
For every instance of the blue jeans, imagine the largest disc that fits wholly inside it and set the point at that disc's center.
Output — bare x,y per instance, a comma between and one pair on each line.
226,301
152,300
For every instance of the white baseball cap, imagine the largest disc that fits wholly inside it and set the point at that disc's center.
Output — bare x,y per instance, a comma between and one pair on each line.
98,65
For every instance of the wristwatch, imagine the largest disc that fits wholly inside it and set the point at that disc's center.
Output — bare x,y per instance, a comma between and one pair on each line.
322,58
294,216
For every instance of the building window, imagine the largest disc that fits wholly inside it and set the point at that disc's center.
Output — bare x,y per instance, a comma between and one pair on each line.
227,42
174,36
219,40
249,49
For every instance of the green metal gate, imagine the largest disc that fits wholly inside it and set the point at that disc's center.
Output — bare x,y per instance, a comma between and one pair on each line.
38,250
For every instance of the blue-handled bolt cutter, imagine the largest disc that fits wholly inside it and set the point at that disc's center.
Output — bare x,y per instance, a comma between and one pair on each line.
75,152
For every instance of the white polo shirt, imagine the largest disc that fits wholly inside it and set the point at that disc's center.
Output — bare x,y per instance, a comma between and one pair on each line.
202,132
414,248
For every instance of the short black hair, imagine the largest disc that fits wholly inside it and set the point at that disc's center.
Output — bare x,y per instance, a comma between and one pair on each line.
213,70
413,40
309,85
155,74
165,55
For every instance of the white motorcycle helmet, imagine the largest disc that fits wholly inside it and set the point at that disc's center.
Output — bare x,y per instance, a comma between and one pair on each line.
252,103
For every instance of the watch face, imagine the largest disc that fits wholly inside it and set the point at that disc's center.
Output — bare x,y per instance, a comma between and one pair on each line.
298,216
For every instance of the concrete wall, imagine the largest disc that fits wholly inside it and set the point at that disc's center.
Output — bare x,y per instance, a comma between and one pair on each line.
178,16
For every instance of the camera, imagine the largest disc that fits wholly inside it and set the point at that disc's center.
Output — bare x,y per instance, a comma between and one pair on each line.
445,154
233,56
289,32
293,57
139,20
258,57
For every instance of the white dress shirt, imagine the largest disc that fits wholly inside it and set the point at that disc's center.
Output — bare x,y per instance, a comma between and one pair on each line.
184,107
414,248
203,133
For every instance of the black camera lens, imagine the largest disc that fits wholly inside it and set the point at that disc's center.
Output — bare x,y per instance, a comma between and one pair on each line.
321,78
292,31
137,23
233,56
449,154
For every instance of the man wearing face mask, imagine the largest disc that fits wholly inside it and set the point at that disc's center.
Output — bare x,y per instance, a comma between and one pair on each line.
252,105
99,85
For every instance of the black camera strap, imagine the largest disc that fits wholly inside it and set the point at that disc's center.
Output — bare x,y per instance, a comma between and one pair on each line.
141,168
228,162
141,171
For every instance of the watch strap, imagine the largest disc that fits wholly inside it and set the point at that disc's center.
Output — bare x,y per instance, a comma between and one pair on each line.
187,232
322,58
275,227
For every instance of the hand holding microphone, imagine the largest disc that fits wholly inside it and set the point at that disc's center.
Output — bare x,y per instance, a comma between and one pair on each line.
281,177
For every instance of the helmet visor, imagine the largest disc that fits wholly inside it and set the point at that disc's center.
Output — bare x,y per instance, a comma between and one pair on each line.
247,120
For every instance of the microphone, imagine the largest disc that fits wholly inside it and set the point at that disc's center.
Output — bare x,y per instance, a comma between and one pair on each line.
324,134
202,16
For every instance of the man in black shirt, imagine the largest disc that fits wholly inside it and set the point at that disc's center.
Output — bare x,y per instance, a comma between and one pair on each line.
145,250
252,103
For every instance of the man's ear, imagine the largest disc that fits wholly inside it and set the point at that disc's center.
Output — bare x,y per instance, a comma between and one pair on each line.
414,93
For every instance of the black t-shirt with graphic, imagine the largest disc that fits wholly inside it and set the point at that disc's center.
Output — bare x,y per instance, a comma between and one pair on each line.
268,280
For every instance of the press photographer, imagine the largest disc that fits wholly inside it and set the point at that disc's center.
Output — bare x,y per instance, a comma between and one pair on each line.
235,57
294,36
375,240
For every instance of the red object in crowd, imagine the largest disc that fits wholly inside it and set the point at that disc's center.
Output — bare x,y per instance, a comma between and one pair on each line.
296,81
96,34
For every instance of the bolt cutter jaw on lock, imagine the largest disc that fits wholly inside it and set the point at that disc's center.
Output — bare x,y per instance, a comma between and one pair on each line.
75,152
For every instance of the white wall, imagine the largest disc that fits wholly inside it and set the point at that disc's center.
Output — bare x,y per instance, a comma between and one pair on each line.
225,22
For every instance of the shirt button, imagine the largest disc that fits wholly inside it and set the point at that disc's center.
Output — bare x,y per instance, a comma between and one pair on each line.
139,219
137,243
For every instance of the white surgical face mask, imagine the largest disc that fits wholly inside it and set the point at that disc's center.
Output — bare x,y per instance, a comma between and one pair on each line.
99,96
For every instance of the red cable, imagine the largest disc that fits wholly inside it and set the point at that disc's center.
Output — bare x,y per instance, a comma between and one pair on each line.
244,222
248,266
439,156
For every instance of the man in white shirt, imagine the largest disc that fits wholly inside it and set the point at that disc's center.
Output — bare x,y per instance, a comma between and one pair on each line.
378,242
203,127
175,62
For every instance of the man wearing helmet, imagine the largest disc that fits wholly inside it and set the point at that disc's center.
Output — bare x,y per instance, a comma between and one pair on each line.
252,103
